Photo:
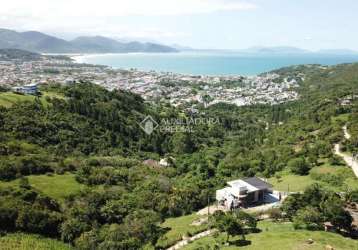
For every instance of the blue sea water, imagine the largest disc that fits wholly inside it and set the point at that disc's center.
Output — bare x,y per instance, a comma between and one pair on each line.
212,63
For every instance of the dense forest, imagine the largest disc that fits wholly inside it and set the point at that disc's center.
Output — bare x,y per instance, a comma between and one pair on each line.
95,134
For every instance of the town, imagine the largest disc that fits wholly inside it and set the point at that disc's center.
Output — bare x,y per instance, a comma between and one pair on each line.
178,89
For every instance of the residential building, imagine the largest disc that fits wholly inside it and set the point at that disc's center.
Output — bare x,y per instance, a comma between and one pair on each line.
29,89
243,193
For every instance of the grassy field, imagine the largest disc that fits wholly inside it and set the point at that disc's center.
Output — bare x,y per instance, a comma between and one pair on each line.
55,186
21,241
177,227
296,183
290,182
7,99
279,236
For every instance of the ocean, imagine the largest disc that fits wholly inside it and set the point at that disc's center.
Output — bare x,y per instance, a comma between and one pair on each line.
211,63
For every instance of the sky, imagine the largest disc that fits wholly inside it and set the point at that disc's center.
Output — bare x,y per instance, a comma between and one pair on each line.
205,24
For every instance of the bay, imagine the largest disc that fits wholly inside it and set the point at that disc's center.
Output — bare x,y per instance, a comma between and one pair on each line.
212,63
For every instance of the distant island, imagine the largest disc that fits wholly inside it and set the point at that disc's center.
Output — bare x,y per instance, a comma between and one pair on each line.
42,43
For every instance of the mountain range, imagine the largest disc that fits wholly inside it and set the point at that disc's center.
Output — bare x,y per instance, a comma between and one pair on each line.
39,42
35,41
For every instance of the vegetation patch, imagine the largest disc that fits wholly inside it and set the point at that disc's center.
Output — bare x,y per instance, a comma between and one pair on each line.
277,236
177,228
338,178
20,241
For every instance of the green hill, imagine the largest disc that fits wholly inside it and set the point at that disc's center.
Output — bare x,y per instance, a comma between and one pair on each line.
111,198
10,54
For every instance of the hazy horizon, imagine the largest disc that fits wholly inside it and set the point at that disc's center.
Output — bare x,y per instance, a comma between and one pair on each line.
201,24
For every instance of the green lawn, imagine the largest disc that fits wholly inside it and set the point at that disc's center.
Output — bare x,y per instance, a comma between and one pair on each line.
178,227
296,183
7,99
21,241
55,186
290,182
280,236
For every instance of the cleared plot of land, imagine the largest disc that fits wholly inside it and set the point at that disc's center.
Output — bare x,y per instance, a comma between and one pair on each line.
54,186
280,236
21,241
291,183
7,99
178,227
295,183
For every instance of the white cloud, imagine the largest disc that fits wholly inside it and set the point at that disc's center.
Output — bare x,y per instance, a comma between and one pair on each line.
108,8
100,17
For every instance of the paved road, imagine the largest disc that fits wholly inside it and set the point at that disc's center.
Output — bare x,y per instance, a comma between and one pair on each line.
348,159
346,134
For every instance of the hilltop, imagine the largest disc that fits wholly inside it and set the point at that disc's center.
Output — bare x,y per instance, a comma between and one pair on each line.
76,165
11,54
20,55
39,42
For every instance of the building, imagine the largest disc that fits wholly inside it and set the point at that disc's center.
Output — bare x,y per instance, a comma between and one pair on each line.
243,193
30,89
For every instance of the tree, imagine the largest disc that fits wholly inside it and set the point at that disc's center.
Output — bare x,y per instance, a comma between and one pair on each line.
71,229
39,221
299,166
335,160
114,211
352,196
291,204
228,223
24,183
143,225
246,219
314,195
309,218
182,143
334,212
87,241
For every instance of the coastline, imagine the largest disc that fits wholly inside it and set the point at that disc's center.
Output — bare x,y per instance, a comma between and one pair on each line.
205,63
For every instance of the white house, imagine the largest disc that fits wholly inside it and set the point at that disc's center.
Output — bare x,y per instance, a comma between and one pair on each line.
243,192
30,89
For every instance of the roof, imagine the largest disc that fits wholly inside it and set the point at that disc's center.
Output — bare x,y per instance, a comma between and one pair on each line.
241,185
258,183
228,191
32,85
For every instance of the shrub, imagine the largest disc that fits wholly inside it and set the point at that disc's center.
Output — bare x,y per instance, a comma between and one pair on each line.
309,218
299,166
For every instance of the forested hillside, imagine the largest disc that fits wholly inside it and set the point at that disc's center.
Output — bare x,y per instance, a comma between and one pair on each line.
94,136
